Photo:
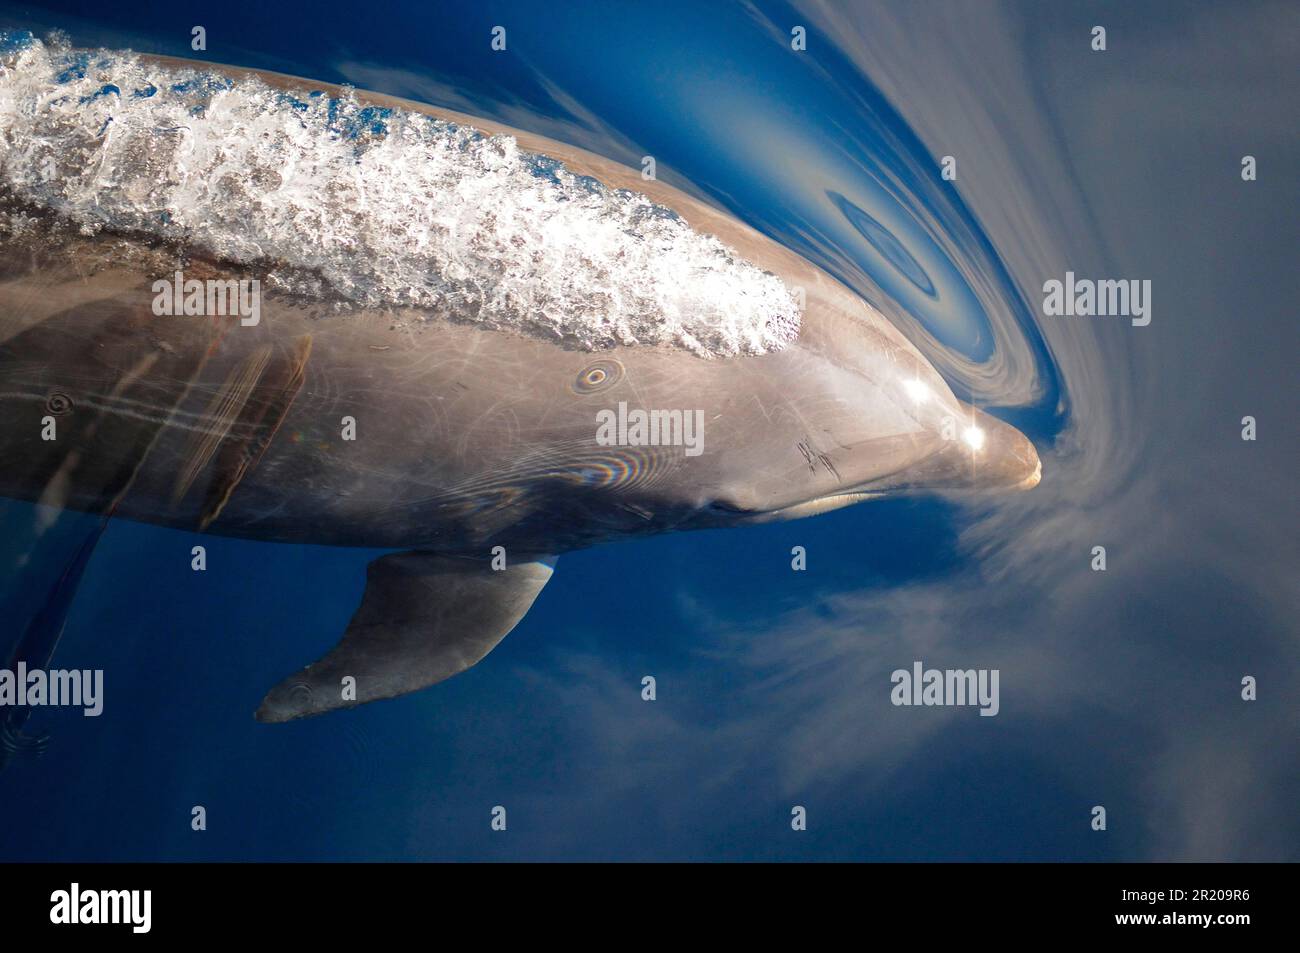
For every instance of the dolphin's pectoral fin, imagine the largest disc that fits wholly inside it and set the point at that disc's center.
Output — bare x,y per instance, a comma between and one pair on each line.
423,618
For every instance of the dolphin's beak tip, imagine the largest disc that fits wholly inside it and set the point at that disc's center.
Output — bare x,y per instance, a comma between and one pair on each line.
1031,481
1010,457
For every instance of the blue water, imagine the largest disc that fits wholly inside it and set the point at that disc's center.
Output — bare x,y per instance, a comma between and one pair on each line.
1119,689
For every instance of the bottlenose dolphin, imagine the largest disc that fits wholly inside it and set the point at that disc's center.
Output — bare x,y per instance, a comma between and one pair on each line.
472,344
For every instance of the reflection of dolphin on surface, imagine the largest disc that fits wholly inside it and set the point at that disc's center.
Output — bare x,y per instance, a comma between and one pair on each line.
466,301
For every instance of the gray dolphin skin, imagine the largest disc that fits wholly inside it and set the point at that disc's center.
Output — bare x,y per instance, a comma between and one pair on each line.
419,425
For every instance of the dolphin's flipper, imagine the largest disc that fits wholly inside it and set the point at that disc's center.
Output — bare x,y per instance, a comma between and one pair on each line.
423,618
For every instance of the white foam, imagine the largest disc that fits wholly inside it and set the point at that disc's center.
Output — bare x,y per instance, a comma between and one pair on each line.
392,209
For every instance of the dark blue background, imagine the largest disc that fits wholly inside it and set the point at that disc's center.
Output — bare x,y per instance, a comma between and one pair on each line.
1119,689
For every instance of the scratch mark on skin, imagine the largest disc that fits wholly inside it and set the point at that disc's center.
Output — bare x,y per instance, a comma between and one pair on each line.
222,413
807,456
826,462
814,457
264,413
767,417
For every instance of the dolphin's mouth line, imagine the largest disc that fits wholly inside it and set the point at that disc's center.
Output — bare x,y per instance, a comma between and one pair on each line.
820,504
842,498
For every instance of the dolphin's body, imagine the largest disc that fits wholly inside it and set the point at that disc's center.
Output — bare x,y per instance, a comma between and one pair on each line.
469,435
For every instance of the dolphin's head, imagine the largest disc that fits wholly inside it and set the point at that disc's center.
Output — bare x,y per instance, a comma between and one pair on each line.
856,412
848,411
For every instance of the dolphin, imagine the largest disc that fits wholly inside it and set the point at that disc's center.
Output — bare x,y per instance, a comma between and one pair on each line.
468,343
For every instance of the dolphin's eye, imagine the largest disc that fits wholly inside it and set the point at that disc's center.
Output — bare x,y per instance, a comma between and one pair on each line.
598,376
